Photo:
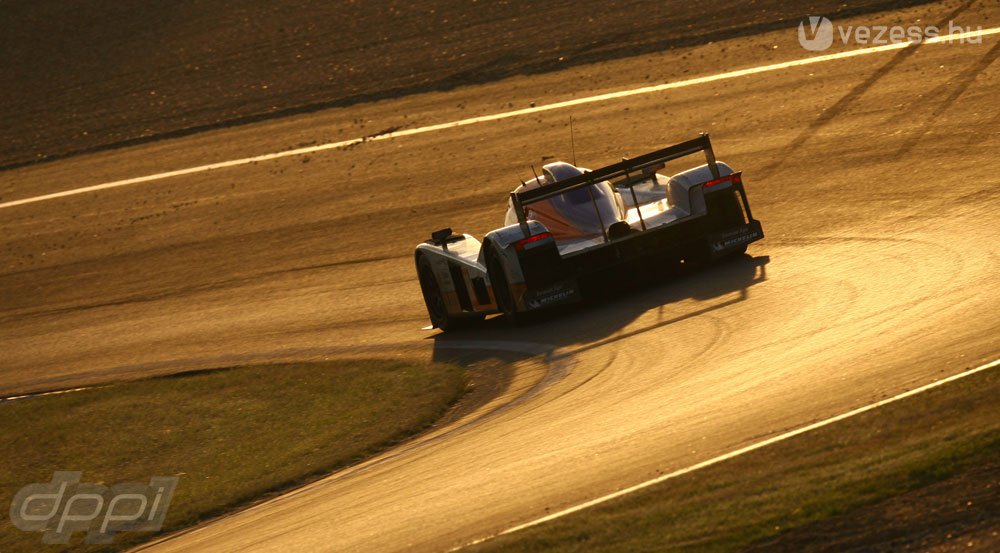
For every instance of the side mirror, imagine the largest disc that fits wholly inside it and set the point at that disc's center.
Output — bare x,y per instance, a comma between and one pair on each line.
442,235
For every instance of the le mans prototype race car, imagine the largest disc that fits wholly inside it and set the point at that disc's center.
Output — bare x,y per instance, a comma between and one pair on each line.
572,223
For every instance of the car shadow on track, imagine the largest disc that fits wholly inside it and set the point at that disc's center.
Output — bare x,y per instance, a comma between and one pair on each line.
612,305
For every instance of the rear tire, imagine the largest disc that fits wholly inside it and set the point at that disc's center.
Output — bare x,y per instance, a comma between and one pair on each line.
704,258
501,290
734,254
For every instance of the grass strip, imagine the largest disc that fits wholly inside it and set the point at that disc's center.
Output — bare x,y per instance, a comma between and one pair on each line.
232,436
860,461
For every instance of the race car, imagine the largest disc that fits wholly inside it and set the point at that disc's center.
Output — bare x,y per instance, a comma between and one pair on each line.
570,223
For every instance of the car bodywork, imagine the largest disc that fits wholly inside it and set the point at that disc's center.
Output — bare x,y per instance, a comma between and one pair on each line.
570,223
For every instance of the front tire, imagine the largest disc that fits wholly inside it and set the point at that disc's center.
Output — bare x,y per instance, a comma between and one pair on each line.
437,309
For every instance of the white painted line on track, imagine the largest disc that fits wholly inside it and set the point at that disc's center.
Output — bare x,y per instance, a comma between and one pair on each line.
736,453
507,114
52,393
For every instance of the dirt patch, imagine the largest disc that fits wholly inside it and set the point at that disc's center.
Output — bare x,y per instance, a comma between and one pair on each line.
96,74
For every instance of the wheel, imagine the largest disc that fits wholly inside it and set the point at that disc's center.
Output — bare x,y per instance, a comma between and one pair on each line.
734,254
434,300
703,257
501,290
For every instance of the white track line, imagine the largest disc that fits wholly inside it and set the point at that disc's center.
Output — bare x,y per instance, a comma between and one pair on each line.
52,393
737,453
505,115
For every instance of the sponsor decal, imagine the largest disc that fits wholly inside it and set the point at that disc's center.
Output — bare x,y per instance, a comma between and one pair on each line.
736,238
559,293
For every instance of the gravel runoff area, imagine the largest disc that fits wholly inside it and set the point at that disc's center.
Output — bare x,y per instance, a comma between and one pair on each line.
95,74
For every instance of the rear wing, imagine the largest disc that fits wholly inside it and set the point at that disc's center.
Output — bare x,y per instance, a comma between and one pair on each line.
623,171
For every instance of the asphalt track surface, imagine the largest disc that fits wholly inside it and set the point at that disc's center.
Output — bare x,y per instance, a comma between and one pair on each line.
874,178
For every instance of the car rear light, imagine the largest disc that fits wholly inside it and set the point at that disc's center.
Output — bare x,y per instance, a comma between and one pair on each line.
531,240
735,178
